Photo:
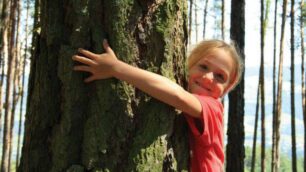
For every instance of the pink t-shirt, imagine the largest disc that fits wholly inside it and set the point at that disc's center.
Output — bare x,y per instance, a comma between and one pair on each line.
206,137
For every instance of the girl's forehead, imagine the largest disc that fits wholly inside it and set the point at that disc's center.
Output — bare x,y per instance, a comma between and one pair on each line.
221,59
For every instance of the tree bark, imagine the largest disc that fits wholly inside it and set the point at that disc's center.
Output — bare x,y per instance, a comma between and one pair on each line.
190,21
3,46
107,125
235,132
8,116
274,89
265,6
196,7
255,129
223,20
303,78
293,137
204,18
20,123
278,109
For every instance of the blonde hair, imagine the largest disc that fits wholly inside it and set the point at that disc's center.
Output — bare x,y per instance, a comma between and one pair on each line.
207,47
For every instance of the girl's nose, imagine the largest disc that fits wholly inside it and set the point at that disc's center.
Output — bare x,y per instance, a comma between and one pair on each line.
209,76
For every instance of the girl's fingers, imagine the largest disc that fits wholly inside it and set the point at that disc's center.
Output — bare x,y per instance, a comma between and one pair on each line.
87,53
89,79
83,60
107,48
82,68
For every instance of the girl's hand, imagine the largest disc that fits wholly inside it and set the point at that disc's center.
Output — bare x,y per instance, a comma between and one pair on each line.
101,66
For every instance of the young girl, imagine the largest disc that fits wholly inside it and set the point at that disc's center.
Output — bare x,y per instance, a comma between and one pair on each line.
214,68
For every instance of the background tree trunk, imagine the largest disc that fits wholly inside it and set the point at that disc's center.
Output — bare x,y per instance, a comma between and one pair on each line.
106,125
265,7
255,129
22,90
8,115
303,78
293,139
204,18
235,145
223,20
278,109
190,21
274,88
4,27
196,9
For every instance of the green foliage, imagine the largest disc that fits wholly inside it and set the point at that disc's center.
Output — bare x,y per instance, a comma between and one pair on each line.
285,164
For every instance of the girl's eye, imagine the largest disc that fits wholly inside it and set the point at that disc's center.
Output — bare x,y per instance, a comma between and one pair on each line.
204,67
220,77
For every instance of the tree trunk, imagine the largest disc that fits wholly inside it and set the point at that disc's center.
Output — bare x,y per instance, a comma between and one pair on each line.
8,116
235,145
17,74
293,139
264,20
107,125
196,7
3,46
303,78
255,130
223,20
23,82
274,89
190,21
204,18
278,109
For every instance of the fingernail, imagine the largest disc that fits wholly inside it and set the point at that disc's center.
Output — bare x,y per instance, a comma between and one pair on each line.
105,40
80,49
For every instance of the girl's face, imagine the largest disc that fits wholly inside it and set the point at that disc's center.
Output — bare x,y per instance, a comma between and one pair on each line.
212,74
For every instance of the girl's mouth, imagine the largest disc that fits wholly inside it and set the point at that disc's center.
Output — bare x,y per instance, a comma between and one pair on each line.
203,87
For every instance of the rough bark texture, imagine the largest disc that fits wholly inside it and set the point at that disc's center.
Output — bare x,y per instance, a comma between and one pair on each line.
106,125
235,132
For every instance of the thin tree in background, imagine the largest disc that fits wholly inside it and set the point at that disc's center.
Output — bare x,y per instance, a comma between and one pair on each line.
4,26
190,21
303,77
278,109
235,144
7,140
255,129
274,88
23,82
205,18
196,20
293,139
17,73
222,19
264,21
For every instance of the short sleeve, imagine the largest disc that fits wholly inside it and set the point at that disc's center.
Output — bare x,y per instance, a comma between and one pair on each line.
211,120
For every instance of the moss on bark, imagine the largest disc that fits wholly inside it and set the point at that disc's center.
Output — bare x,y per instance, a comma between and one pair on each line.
107,125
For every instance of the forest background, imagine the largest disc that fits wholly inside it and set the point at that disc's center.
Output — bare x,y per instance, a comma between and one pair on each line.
252,63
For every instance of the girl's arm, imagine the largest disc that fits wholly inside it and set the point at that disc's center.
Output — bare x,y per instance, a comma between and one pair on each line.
107,65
